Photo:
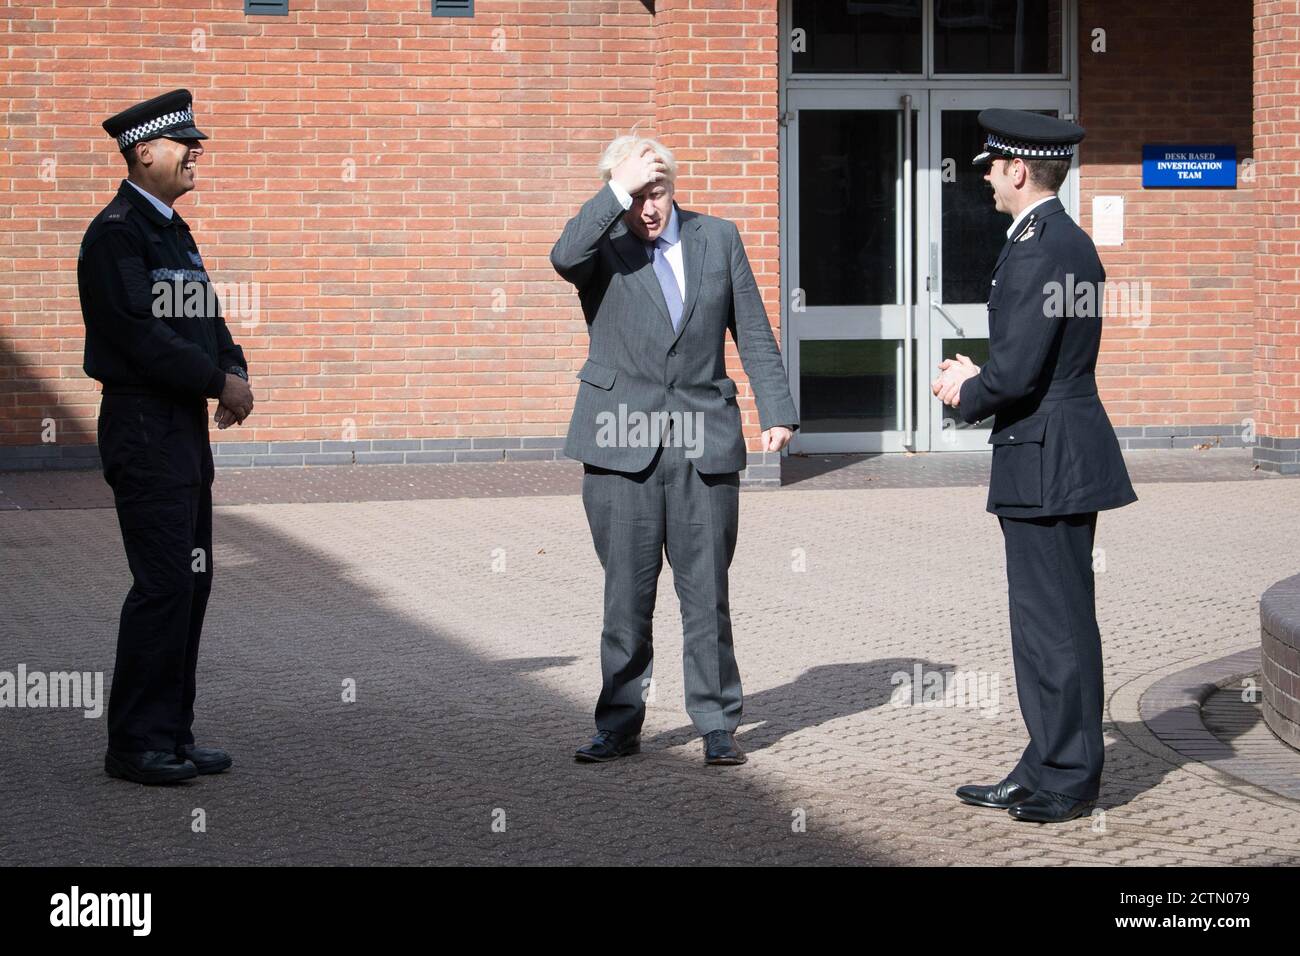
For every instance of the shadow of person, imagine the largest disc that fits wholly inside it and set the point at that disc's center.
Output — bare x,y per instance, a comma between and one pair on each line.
1136,764
528,665
49,421
817,696
366,727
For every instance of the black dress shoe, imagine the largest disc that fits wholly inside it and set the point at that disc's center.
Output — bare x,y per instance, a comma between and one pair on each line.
206,759
606,746
721,749
1048,807
148,766
1000,796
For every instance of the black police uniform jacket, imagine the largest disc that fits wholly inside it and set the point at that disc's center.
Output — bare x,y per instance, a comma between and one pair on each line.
167,339
1054,449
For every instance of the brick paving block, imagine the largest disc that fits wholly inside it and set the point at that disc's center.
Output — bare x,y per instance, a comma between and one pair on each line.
467,610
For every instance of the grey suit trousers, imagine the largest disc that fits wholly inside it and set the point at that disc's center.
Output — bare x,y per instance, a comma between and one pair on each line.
636,518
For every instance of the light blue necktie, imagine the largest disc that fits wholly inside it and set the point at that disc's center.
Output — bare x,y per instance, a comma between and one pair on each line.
667,281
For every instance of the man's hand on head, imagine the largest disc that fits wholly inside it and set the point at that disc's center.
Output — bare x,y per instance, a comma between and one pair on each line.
639,169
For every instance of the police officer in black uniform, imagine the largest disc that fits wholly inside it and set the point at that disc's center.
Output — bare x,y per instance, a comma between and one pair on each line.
1056,462
157,341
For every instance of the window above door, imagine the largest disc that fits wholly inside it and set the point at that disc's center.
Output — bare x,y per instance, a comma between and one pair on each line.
928,38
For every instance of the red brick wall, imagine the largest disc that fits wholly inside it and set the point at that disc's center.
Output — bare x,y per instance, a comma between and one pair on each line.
716,81
377,295
417,300
1277,136
1173,73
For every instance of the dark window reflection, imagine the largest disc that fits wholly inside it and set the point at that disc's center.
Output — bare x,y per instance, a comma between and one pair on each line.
971,230
998,36
848,385
848,207
843,36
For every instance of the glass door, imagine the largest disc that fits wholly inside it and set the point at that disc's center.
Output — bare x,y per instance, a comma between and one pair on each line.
965,235
856,221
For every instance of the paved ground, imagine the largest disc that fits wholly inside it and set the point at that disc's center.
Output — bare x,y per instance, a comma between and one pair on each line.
470,626
1234,715
33,490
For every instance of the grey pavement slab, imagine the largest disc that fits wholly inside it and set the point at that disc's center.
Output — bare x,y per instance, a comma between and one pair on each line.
470,626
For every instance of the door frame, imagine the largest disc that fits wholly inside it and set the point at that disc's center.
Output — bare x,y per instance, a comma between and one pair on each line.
934,88
884,322
968,319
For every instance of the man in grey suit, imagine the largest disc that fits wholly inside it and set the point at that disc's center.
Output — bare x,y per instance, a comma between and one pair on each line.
657,428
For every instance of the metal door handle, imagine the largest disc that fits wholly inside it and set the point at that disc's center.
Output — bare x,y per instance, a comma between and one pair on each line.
951,320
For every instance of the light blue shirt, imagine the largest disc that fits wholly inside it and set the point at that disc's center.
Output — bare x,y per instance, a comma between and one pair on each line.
158,204
671,235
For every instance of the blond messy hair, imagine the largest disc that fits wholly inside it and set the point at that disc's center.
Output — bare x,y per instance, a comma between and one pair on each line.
631,144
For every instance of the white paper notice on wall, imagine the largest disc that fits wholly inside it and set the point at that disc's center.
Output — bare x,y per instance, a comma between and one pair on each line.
1108,220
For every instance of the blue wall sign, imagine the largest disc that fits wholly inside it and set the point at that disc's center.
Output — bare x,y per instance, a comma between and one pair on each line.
1189,167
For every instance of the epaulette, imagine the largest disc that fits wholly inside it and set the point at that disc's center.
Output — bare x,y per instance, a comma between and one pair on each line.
116,211
111,218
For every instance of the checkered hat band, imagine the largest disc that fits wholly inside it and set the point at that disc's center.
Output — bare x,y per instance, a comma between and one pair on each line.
156,127
993,142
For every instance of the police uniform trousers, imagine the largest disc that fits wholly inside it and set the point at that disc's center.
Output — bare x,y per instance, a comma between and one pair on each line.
158,461
1056,648
636,519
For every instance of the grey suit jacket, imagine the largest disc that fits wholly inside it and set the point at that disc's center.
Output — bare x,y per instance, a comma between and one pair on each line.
636,363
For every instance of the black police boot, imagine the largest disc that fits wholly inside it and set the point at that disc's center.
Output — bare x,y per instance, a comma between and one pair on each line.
999,796
205,759
148,766
606,746
1048,807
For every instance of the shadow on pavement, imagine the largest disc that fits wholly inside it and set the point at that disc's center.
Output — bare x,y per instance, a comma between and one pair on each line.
817,696
445,757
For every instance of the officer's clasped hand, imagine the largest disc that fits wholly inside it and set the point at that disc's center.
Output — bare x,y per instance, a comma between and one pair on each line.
236,402
952,375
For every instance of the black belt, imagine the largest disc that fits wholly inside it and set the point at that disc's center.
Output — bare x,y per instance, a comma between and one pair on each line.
155,396
134,390
1081,386
152,393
